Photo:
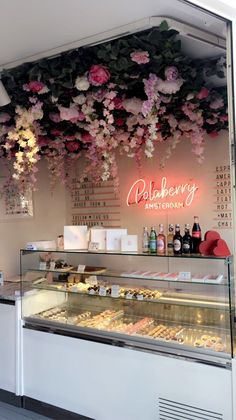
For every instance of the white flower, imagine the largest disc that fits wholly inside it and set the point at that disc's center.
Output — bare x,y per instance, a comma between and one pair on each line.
82,83
54,99
79,99
133,105
169,86
190,96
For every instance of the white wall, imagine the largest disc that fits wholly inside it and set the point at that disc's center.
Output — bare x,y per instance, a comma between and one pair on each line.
47,223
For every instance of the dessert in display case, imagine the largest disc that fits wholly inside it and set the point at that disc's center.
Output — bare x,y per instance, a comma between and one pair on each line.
178,305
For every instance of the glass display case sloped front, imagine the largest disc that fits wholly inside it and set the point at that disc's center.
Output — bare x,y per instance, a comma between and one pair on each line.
176,305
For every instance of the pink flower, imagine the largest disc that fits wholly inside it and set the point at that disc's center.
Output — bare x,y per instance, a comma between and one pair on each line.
203,94
185,125
133,105
213,134
171,73
119,122
198,149
72,146
168,86
68,114
217,103
140,57
43,141
86,137
4,117
118,103
211,121
99,95
70,138
81,116
55,117
223,118
35,86
98,75
55,132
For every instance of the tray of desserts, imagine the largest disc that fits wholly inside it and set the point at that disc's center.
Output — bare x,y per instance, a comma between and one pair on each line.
115,291
160,275
87,269
152,275
117,321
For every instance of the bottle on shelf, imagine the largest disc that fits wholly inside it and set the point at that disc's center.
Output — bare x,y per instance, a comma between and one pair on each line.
145,240
161,241
170,240
153,241
178,241
196,235
187,240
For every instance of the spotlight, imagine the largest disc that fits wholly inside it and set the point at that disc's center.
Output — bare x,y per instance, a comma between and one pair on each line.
4,98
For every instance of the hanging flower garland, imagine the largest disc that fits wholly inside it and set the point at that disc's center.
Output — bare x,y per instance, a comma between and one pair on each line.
124,96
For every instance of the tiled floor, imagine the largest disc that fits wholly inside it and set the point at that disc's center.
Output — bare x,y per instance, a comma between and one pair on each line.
10,412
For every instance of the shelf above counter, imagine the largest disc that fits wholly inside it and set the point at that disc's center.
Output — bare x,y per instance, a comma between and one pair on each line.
133,254
164,298
164,278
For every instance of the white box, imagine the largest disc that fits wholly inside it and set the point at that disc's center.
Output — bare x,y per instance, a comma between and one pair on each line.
41,245
129,243
75,237
113,239
99,236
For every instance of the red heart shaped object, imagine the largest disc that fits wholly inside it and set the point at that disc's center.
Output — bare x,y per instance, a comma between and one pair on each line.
206,247
221,249
211,235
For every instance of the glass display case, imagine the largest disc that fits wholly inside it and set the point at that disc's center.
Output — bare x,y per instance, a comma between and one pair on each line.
174,305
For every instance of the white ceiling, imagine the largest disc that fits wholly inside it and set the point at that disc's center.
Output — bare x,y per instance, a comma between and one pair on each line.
29,27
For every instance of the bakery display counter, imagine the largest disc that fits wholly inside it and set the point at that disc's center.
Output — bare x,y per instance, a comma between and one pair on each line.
178,306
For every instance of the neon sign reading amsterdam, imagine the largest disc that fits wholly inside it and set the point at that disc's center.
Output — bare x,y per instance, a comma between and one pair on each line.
162,198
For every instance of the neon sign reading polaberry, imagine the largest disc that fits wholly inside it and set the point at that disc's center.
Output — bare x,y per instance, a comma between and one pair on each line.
156,199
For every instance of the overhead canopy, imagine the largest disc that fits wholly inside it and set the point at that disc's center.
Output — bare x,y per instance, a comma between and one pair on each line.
28,28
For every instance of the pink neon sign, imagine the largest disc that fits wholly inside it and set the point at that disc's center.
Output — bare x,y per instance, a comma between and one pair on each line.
167,196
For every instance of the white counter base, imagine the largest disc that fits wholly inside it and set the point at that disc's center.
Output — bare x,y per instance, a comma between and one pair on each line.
8,346
111,383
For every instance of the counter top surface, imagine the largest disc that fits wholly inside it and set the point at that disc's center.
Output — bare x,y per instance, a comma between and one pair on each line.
10,291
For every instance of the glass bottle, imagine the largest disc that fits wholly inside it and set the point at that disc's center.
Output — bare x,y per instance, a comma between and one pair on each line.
196,235
178,241
145,240
187,240
153,241
170,240
161,241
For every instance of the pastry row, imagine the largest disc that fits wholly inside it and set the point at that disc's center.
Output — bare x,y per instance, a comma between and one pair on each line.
116,321
115,291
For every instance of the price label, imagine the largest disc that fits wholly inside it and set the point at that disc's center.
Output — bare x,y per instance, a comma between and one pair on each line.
91,292
115,289
1,278
52,265
42,265
81,268
184,275
102,291
129,296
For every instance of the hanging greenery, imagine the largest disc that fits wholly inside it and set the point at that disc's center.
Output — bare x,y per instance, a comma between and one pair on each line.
125,96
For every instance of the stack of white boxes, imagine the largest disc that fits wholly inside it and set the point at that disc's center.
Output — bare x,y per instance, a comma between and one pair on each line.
101,239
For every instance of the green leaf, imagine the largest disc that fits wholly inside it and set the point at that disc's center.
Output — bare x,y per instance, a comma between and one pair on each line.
163,26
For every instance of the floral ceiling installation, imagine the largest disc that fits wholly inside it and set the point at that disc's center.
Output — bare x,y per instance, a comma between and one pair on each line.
124,96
